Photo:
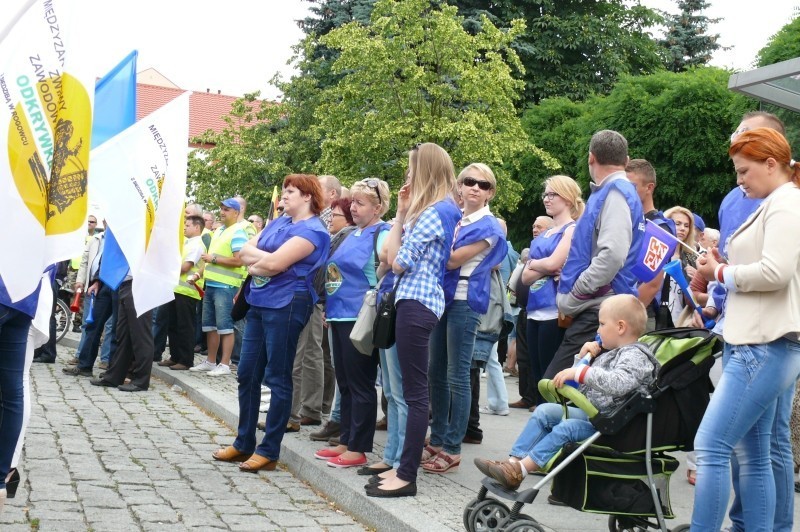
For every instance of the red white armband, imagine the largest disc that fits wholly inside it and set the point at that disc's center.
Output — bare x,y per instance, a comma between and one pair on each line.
580,375
718,273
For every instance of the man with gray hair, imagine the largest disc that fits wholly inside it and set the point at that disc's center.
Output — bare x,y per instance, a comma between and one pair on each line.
331,191
604,248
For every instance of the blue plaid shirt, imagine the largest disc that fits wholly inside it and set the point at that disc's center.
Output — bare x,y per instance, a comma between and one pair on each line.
423,255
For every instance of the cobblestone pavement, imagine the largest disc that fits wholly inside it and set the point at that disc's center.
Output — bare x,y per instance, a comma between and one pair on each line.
100,459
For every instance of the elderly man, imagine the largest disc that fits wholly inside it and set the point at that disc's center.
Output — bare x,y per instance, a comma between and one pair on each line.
604,247
331,191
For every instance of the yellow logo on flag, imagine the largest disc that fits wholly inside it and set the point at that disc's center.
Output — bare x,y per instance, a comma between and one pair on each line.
54,112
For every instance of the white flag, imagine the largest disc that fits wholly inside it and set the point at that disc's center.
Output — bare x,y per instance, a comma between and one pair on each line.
46,93
140,177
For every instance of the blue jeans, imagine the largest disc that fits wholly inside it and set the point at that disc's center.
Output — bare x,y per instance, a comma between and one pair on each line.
105,304
782,470
109,344
547,431
741,416
496,392
397,411
268,347
14,327
217,305
452,342
336,411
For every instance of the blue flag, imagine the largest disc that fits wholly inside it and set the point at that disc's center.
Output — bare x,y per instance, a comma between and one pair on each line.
658,246
114,111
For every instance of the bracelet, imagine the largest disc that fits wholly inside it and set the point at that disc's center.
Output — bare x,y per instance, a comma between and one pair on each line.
719,273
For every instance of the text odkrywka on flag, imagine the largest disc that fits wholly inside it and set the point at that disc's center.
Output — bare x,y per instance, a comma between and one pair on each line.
140,178
46,93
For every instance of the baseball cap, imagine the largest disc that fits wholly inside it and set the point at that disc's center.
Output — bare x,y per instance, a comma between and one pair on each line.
231,204
699,224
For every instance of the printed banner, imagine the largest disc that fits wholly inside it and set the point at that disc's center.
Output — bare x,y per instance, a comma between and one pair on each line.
46,93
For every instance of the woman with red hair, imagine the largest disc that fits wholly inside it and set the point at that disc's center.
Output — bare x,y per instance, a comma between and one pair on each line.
762,336
282,262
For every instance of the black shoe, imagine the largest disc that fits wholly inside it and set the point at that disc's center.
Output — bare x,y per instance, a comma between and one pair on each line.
471,439
369,470
12,483
130,388
44,360
331,429
76,328
101,382
797,487
409,490
76,371
373,480
555,502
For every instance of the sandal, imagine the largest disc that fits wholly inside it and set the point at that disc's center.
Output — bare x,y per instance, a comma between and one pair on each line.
441,463
428,454
257,463
230,454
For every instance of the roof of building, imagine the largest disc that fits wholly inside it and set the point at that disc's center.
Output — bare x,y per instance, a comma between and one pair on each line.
206,109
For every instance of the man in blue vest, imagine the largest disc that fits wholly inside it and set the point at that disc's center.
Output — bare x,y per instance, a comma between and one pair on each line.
604,247
643,176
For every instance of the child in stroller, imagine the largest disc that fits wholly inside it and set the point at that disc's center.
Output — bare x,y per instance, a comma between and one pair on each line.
611,377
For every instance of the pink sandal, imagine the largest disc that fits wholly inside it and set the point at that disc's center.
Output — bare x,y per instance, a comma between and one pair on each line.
428,454
441,463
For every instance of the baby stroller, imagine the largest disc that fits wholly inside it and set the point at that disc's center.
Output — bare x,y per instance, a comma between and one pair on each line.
623,469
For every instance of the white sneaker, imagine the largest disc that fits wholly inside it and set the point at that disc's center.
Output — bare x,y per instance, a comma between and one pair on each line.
487,410
221,369
205,365
265,390
264,407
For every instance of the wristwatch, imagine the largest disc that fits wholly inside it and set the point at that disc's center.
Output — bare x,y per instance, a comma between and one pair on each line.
214,258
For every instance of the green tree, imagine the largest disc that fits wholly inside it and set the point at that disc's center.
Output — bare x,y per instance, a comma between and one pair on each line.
412,75
782,46
573,48
680,122
686,42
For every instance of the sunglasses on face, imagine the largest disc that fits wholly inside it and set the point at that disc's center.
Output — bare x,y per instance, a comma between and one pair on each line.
471,182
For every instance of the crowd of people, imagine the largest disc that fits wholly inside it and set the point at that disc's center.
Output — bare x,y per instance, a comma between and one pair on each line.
278,299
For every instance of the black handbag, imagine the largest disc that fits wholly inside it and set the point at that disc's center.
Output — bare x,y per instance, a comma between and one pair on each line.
240,304
383,334
663,314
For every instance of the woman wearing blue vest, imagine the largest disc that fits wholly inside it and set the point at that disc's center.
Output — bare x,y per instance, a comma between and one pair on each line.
352,270
418,246
479,245
282,261
548,253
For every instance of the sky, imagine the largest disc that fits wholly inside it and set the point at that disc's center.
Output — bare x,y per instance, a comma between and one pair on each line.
236,46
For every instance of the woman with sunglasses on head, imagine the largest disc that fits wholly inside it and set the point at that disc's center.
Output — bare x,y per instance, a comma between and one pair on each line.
351,271
418,247
548,253
282,261
479,245
761,356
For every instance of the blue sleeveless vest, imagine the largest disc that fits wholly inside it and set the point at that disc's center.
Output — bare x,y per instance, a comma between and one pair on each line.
580,254
346,283
277,291
478,282
542,293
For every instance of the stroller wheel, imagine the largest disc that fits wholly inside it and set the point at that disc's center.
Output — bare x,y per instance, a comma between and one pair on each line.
526,524
621,524
487,516
467,511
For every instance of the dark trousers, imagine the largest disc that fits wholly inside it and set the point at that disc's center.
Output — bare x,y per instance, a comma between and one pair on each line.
199,335
14,327
134,343
47,351
544,339
329,376
415,322
355,374
527,389
474,423
181,317
161,317
583,329
105,305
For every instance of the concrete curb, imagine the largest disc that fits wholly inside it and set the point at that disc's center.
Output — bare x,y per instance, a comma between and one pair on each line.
297,454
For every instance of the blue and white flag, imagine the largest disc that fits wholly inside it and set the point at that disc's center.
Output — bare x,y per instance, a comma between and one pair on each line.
657,248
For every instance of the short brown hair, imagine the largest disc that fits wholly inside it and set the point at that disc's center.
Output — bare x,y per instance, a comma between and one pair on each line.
307,184
773,121
629,309
344,204
642,168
